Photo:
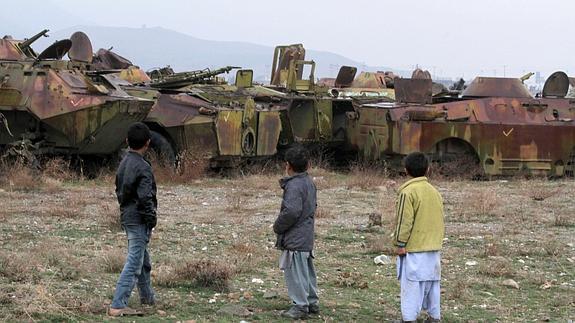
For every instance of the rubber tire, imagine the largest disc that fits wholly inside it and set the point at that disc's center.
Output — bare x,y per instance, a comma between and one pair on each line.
163,148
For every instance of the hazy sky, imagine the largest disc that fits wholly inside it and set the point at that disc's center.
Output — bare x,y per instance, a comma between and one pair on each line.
449,37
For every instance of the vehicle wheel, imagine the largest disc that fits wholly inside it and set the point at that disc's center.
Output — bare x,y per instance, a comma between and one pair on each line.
161,149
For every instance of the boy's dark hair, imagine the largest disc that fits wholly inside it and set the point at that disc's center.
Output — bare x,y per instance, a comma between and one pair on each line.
297,157
138,135
416,164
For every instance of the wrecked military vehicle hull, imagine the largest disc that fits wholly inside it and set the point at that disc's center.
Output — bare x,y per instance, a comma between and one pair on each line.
226,135
56,107
504,135
200,117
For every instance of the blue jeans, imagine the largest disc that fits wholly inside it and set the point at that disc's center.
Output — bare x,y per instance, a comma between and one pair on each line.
136,269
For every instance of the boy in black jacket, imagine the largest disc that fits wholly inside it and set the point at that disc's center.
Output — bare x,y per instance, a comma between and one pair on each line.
295,235
136,193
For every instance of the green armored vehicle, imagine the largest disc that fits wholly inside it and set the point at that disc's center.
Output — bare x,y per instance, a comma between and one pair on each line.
494,127
53,106
197,113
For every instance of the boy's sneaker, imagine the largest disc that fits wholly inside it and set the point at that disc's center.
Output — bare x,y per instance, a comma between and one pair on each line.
313,308
296,313
126,311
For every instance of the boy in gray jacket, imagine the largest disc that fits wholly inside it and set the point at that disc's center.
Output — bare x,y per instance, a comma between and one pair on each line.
295,235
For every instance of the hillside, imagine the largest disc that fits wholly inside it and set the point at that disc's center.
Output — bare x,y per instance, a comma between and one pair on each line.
156,47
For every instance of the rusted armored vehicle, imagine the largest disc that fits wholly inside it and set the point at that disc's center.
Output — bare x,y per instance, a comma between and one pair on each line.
49,105
495,123
371,85
315,113
196,112
230,123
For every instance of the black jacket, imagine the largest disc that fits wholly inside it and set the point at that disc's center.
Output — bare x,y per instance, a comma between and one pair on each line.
136,190
295,223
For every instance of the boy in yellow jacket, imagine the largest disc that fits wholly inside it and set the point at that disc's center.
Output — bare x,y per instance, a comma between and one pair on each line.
419,238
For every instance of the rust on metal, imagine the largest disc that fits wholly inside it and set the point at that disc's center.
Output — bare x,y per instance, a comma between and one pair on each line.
496,87
56,50
345,76
556,85
269,129
283,56
503,135
54,109
81,50
413,90
9,51
420,74
105,59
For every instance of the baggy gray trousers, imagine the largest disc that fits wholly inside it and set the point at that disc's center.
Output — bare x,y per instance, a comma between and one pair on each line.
300,277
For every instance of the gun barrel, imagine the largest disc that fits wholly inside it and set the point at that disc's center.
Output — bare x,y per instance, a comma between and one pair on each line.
25,44
186,78
526,76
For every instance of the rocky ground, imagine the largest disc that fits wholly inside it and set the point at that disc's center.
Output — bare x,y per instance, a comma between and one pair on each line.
509,249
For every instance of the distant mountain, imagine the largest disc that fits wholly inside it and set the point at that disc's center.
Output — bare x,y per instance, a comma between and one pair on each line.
158,47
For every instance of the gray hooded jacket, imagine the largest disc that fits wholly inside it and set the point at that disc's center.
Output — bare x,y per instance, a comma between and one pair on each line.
295,224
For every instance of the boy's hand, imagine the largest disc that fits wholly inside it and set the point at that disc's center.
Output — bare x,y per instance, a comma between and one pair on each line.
401,251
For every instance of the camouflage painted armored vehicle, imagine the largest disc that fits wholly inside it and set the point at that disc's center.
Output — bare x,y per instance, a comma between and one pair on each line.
49,105
495,123
196,112
314,114
372,85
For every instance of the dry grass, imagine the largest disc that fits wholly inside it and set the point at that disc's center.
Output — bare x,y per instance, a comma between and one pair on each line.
459,291
190,166
483,203
112,261
235,202
261,182
541,193
466,168
17,268
59,169
109,216
64,212
491,250
554,248
367,175
563,220
19,177
244,256
497,267
324,213
380,245
522,241
202,273
58,260
351,279
375,219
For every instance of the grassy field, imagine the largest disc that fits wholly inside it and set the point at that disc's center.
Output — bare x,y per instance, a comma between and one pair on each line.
62,249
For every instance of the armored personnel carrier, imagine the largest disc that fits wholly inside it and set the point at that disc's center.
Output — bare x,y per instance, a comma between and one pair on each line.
50,105
196,112
495,124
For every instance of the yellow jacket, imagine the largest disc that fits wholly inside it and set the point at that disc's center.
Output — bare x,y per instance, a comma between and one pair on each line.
419,211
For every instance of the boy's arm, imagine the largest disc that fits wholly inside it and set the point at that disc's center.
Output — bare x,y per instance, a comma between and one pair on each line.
147,206
405,218
291,210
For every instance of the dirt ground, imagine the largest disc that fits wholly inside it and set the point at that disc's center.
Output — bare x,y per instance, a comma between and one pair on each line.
508,256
